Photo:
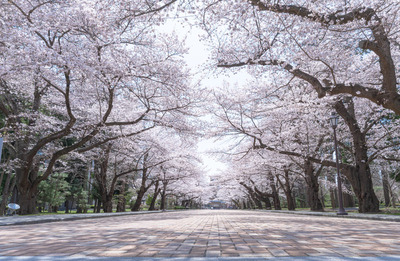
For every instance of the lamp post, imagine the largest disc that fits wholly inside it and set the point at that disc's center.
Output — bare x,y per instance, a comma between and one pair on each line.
334,122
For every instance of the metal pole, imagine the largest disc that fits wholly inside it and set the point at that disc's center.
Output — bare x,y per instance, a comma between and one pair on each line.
341,210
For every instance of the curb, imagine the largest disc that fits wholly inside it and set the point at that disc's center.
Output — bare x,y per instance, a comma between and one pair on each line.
26,220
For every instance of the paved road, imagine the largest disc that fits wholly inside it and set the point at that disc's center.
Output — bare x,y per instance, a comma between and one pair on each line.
213,234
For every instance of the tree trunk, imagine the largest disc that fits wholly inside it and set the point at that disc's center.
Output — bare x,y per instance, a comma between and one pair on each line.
287,189
157,191
98,209
257,203
267,203
393,199
250,203
6,193
312,187
322,197
138,202
253,196
275,193
237,203
27,191
107,204
333,194
27,202
348,199
121,203
358,175
121,206
386,188
264,197
360,179
164,195
66,204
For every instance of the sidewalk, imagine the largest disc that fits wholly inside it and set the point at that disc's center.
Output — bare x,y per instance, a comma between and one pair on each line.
197,235
36,219
23,220
379,217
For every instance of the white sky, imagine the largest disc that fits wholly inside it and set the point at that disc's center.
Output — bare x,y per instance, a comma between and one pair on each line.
197,59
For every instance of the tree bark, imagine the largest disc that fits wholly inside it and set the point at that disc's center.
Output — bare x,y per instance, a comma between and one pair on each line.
139,197
142,191
275,193
6,193
386,188
311,178
157,191
359,175
237,203
164,195
107,204
244,204
287,188
253,195
264,197
98,209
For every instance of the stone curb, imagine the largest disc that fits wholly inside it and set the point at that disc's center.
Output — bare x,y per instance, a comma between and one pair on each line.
26,220
377,217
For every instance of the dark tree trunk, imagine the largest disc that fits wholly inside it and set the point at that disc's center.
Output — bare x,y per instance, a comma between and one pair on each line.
322,197
253,196
66,204
257,203
363,188
250,203
359,175
164,195
348,199
386,188
244,204
121,206
98,209
275,193
6,192
108,203
27,202
264,197
311,178
157,191
143,188
27,190
237,203
393,199
27,197
139,197
333,194
287,189
267,203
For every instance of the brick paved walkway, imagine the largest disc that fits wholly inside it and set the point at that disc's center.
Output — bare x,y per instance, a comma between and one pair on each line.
204,233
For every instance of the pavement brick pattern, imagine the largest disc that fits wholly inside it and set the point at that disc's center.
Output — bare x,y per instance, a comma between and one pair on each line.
204,233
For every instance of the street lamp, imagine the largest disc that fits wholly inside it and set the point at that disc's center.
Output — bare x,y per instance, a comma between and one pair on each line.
334,122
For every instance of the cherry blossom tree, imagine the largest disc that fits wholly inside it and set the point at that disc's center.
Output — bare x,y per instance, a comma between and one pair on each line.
288,123
336,47
71,70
